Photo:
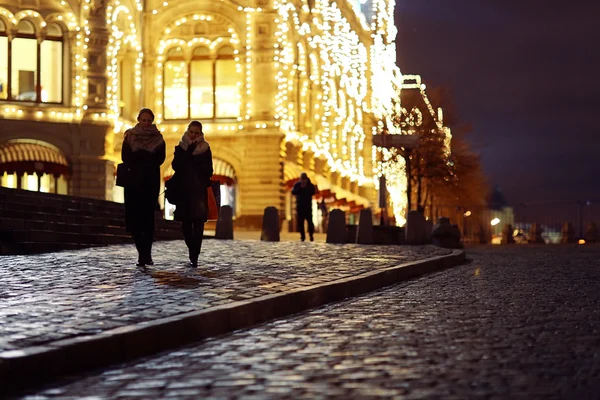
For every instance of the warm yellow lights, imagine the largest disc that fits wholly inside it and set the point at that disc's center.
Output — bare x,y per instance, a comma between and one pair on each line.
333,65
329,52
124,37
581,241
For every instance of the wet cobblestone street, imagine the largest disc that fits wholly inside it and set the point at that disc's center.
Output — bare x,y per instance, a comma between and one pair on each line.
518,322
54,296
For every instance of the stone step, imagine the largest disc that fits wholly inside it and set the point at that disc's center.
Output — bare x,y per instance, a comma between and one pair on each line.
54,200
33,222
21,235
69,219
43,208
19,219
60,226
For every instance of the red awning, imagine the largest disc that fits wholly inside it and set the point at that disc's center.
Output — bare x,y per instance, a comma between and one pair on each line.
32,156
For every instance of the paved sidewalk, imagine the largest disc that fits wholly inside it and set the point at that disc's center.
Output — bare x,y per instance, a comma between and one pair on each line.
55,300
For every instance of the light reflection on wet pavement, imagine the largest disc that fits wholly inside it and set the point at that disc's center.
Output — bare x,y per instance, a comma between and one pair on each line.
517,323
53,296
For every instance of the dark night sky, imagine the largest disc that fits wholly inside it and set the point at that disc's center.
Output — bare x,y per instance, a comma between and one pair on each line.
525,74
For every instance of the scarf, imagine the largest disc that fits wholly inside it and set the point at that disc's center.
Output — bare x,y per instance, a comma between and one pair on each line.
144,139
201,144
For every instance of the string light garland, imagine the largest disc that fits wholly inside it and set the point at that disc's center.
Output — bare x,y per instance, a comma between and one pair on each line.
334,71
338,62
121,23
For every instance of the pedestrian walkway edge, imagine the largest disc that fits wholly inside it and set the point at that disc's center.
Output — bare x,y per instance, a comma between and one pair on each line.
29,367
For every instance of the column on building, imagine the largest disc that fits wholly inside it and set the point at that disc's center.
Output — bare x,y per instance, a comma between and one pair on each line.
93,167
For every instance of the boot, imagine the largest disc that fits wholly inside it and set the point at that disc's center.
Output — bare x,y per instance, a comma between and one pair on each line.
148,250
193,258
139,246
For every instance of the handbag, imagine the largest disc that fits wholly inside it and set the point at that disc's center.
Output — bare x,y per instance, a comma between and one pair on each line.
173,189
122,175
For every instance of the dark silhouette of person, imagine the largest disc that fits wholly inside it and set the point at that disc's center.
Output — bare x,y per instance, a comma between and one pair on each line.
193,160
143,152
304,190
324,214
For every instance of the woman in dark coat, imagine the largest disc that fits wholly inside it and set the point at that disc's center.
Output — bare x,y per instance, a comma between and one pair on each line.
143,152
193,160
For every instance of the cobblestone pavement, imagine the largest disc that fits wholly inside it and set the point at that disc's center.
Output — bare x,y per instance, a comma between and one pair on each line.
516,323
53,296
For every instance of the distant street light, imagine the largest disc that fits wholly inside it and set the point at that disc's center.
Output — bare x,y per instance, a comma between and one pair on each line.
495,221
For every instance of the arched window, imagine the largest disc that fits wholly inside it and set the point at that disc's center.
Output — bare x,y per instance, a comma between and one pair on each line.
29,70
226,85
3,62
24,63
202,96
212,80
176,85
51,53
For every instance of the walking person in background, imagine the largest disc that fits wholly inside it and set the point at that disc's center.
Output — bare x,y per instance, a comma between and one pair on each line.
143,152
304,190
193,160
324,213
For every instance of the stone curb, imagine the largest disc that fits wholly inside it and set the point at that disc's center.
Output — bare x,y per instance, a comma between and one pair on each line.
28,367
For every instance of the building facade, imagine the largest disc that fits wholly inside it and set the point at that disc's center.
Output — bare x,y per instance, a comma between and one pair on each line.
280,87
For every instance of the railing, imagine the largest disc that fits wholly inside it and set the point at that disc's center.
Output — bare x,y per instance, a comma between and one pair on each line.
555,222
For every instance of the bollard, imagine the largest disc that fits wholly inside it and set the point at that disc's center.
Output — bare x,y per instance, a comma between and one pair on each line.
535,234
446,235
568,233
364,231
224,229
483,234
415,231
428,230
507,234
336,227
270,225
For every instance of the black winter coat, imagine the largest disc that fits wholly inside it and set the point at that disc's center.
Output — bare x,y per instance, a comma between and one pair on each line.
141,192
195,171
303,197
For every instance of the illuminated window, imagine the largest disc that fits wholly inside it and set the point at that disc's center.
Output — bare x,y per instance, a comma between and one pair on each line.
9,180
201,70
176,85
29,182
51,53
24,63
36,67
226,84
213,84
